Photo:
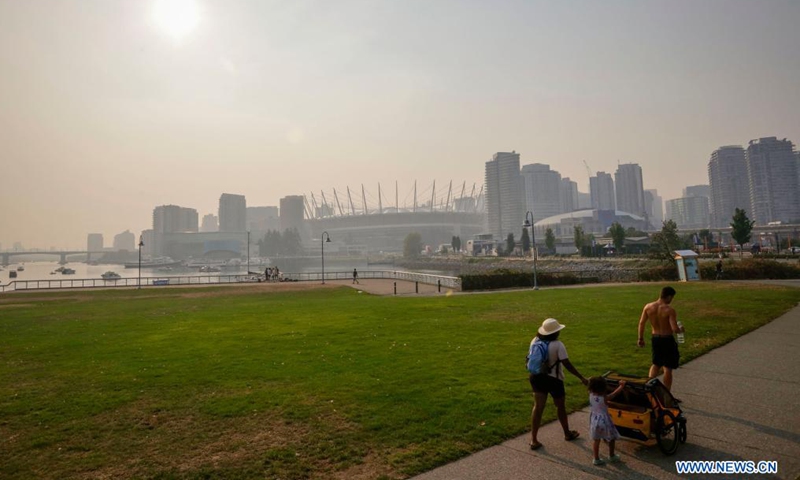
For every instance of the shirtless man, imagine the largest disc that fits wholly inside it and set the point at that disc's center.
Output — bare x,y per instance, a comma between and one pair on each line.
664,322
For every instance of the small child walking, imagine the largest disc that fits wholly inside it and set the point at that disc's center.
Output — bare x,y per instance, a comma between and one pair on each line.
601,427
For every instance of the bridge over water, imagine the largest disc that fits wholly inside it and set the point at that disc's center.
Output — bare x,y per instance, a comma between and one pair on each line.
62,254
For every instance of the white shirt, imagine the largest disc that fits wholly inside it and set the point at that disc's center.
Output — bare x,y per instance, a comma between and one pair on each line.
556,351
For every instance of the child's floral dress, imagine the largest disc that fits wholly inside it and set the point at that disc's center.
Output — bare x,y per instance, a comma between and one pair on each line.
600,425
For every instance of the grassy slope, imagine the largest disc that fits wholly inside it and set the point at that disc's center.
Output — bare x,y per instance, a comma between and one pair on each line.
306,384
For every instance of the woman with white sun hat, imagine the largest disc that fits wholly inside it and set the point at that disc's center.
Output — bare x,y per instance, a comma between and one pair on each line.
551,381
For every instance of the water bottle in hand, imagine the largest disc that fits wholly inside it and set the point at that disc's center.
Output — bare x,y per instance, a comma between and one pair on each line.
680,332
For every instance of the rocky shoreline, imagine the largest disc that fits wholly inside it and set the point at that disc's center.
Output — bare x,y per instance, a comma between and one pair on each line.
603,269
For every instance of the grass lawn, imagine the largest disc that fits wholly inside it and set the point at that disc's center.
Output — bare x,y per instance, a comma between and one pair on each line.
229,383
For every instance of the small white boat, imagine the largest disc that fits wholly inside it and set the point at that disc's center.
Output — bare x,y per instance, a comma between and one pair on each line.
209,268
111,275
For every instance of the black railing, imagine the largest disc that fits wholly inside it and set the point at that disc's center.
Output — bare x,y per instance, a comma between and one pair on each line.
26,285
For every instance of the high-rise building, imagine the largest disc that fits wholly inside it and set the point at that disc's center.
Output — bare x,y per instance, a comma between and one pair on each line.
94,242
148,238
773,180
584,201
170,219
630,189
174,219
697,191
541,191
125,241
601,188
689,212
728,184
569,196
210,223
654,205
262,219
292,212
232,213
504,196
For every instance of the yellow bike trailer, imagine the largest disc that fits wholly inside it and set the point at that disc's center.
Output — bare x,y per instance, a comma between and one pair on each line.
645,409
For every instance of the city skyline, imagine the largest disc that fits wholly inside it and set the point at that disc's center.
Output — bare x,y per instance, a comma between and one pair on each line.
108,112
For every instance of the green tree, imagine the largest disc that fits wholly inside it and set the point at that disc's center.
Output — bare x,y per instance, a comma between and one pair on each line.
270,244
526,241
412,245
663,243
590,241
291,242
706,237
632,232
742,228
550,239
617,232
580,237
510,243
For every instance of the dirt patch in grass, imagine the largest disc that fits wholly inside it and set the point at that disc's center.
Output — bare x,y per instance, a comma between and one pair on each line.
149,441
709,312
139,440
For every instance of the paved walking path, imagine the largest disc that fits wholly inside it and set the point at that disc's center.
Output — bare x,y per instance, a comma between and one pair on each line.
381,286
742,402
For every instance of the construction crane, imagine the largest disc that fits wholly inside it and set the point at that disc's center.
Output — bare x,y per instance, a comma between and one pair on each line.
588,170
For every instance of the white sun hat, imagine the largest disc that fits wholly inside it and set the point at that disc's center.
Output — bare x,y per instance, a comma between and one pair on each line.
550,326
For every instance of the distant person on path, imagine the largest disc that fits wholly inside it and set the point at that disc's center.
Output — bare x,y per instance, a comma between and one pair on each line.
664,322
719,269
601,427
551,381
276,274
266,274
355,277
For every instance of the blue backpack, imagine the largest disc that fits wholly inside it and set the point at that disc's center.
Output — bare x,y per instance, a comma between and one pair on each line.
538,357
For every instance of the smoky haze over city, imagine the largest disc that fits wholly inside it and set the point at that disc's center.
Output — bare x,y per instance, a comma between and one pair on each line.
111,109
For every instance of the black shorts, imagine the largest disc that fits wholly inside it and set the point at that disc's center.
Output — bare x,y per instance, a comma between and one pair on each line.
665,352
546,384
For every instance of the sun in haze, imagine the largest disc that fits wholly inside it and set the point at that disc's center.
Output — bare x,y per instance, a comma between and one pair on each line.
176,17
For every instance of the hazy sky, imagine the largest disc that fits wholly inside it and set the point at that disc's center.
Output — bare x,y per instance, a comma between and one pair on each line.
107,112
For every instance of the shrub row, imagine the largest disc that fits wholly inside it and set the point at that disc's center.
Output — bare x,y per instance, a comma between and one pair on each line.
511,279
748,269
751,269
661,273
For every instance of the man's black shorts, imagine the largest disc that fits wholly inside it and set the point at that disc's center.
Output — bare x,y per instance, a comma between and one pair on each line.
546,384
665,351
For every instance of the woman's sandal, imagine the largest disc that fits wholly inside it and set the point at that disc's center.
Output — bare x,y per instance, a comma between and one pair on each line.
572,435
535,445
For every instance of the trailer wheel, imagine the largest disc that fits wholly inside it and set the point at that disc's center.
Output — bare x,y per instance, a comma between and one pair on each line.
667,434
682,430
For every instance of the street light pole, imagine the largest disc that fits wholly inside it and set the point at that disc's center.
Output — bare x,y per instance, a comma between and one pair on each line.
323,241
141,244
248,252
529,223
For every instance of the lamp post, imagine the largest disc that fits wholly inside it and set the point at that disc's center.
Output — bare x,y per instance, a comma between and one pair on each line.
529,223
323,239
248,252
141,244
